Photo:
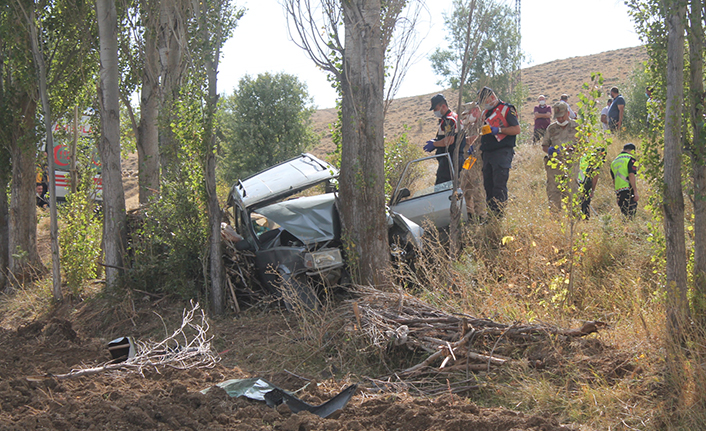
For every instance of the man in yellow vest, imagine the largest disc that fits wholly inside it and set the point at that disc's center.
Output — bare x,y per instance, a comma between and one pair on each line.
624,171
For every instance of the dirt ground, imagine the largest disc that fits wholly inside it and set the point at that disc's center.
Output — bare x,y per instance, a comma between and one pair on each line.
32,399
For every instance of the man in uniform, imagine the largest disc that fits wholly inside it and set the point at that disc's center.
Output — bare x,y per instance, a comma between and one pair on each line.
445,141
497,143
471,176
558,142
624,171
542,118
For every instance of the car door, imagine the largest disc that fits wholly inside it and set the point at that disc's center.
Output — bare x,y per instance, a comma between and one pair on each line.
418,198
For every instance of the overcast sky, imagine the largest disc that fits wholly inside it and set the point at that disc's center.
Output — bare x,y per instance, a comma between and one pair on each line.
551,30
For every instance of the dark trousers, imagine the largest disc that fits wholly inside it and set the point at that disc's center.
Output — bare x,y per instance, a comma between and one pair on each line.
538,135
626,203
585,190
443,172
496,172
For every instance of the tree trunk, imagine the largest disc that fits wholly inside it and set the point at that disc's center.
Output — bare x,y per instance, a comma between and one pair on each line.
24,256
217,272
455,209
4,231
44,94
362,196
114,231
673,205
148,130
171,40
698,154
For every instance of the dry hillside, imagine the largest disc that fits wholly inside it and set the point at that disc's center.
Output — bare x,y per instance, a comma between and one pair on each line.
551,79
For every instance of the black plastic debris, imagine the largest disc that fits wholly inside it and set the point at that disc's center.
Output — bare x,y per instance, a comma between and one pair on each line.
262,390
278,396
121,349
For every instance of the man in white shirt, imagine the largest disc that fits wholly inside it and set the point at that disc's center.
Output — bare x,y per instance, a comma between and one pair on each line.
604,114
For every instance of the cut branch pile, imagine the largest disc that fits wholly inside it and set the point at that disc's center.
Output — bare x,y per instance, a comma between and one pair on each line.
240,270
452,342
188,347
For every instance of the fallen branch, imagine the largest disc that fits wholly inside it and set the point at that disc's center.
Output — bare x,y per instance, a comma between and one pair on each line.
188,347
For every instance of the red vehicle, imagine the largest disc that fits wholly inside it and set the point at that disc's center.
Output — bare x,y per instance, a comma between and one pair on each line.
63,139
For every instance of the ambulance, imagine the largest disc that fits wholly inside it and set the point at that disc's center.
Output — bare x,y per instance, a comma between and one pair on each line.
63,134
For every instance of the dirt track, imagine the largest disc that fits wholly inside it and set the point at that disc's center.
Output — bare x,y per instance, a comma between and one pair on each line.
171,399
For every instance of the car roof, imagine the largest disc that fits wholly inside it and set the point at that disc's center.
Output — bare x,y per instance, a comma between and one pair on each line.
282,180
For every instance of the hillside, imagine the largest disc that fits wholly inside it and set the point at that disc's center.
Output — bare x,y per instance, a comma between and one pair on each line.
551,79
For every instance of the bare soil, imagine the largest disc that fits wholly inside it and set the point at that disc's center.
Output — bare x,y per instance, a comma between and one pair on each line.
75,335
32,399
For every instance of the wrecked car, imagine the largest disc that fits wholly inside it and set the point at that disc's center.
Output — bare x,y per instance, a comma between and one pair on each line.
288,219
418,198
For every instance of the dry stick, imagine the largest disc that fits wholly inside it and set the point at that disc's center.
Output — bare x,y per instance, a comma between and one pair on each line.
194,353
496,345
433,357
232,293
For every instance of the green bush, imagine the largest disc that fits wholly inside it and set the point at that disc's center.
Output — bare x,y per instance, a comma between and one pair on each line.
80,234
167,243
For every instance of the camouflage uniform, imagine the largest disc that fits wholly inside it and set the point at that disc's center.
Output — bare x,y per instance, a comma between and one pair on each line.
561,138
472,186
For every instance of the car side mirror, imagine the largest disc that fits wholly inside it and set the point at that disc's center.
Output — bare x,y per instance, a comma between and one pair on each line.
403,193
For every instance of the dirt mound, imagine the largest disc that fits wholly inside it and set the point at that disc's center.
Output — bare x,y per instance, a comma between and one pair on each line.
32,399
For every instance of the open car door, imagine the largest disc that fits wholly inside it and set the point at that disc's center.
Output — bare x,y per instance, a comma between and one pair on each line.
418,198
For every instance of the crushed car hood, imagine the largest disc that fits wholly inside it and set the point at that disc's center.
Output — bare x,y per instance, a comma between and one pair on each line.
282,180
311,219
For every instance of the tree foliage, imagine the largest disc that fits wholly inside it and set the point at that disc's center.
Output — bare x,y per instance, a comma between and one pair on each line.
494,39
265,121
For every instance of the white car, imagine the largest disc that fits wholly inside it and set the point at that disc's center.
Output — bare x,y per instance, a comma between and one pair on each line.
288,218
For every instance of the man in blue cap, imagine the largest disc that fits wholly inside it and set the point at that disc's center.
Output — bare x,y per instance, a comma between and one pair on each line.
445,141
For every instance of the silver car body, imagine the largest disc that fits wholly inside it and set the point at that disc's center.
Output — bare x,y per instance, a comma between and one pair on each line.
419,199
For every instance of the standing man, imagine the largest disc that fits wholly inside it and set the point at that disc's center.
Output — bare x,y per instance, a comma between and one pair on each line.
651,106
471,176
604,114
565,99
616,111
445,138
589,166
558,142
624,171
497,143
542,118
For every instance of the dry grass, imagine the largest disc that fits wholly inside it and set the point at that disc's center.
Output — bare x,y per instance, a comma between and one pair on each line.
517,270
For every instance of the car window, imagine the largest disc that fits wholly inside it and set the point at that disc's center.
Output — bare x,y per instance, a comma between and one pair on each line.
262,224
419,179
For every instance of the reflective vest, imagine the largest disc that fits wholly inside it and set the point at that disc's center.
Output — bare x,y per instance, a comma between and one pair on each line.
498,118
619,167
583,166
449,115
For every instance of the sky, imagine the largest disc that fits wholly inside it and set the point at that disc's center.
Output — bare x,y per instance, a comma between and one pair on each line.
551,30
